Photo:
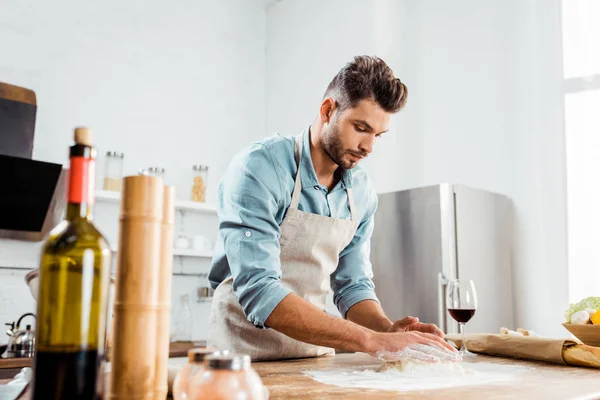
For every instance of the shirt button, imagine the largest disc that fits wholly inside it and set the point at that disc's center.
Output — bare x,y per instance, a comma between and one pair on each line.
317,187
248,234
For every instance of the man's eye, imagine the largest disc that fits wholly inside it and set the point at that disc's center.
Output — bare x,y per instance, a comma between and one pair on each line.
359,129
378,135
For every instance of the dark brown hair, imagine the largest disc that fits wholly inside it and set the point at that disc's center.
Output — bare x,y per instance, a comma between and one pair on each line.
367,77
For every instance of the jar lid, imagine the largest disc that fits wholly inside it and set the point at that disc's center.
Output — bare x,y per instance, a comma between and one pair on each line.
200,167
227,362
154,170
114,154
197,355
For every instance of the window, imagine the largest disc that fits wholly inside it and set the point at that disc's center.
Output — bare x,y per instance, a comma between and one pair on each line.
581,65
581,38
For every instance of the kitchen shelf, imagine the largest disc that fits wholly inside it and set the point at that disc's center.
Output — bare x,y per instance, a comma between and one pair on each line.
186,253
192,253
115,197
106,195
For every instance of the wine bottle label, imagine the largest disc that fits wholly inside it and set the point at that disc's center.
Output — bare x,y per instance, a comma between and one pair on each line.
81,180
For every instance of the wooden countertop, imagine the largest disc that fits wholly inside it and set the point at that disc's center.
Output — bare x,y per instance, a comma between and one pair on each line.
285,380
11,363
176,349
9,367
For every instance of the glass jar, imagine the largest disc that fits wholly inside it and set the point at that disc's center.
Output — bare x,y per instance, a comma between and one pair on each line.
227,377
113,171
158,172
199,185
194,365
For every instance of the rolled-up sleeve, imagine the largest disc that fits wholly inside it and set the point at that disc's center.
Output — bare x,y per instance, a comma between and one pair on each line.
352,280
249,198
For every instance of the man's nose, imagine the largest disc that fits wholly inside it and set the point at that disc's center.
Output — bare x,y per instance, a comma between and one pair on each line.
367,144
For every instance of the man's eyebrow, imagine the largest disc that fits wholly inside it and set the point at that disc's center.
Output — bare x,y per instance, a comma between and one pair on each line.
369,128
365,123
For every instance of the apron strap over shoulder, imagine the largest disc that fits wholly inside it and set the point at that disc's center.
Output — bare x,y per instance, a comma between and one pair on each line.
298,182
353,214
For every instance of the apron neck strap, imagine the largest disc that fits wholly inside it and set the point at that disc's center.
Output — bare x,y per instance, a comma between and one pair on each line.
353,214
298,181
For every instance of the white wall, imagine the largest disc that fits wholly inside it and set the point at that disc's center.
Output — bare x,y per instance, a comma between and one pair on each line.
305,48
164,83
484,109
539,191
167,83
185,83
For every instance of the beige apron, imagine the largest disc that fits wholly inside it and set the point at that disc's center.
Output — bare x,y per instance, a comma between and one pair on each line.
310,246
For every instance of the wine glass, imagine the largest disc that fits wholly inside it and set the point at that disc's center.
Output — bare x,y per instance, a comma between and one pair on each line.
462,304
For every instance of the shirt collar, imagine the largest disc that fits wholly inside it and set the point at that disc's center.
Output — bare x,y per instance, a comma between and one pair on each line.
307,169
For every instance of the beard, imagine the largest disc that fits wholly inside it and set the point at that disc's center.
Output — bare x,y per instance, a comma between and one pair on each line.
331,141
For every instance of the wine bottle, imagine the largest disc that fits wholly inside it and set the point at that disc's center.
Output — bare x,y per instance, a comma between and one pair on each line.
73,290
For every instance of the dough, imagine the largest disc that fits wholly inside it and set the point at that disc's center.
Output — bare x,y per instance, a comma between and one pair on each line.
410,365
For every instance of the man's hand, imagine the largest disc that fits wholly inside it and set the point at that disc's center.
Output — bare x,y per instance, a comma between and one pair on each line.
408,324
398,341
300,320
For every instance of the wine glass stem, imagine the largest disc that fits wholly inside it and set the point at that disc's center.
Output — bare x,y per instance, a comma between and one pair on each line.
461,328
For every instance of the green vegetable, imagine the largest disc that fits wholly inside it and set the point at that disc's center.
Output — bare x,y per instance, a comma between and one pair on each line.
590,302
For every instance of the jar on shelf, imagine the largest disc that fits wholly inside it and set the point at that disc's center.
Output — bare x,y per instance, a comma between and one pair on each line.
199,185
227,377
181,384
158,172
113,171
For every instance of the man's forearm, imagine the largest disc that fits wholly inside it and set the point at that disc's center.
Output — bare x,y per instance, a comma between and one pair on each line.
368,313
300,320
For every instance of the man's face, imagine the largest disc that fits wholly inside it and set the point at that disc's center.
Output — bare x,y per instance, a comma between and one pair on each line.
350,135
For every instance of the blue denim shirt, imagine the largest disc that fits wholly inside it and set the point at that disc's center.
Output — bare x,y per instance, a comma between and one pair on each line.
253,197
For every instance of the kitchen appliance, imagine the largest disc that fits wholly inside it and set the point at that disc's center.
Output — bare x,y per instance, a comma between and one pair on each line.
32,195
22,342
425,236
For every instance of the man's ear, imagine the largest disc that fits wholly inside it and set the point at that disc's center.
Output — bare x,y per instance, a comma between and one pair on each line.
326,111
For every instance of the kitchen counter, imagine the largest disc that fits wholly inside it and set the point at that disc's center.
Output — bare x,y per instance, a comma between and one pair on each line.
9,367
285,380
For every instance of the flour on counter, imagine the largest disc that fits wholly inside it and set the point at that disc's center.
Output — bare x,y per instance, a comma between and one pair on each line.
422,378
416,366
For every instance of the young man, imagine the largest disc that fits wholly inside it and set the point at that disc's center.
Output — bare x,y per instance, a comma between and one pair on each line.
296,218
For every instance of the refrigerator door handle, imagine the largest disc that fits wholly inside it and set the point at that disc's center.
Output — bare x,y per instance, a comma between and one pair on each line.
442,283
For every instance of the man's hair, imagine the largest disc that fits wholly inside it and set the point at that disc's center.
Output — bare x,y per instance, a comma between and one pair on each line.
367,77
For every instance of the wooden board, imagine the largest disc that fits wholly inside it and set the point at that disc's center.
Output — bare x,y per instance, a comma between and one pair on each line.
18,111
15,362
177,349
180,349
285,380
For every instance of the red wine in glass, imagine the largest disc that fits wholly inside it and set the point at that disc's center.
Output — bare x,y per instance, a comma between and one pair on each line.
462,315
461,303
